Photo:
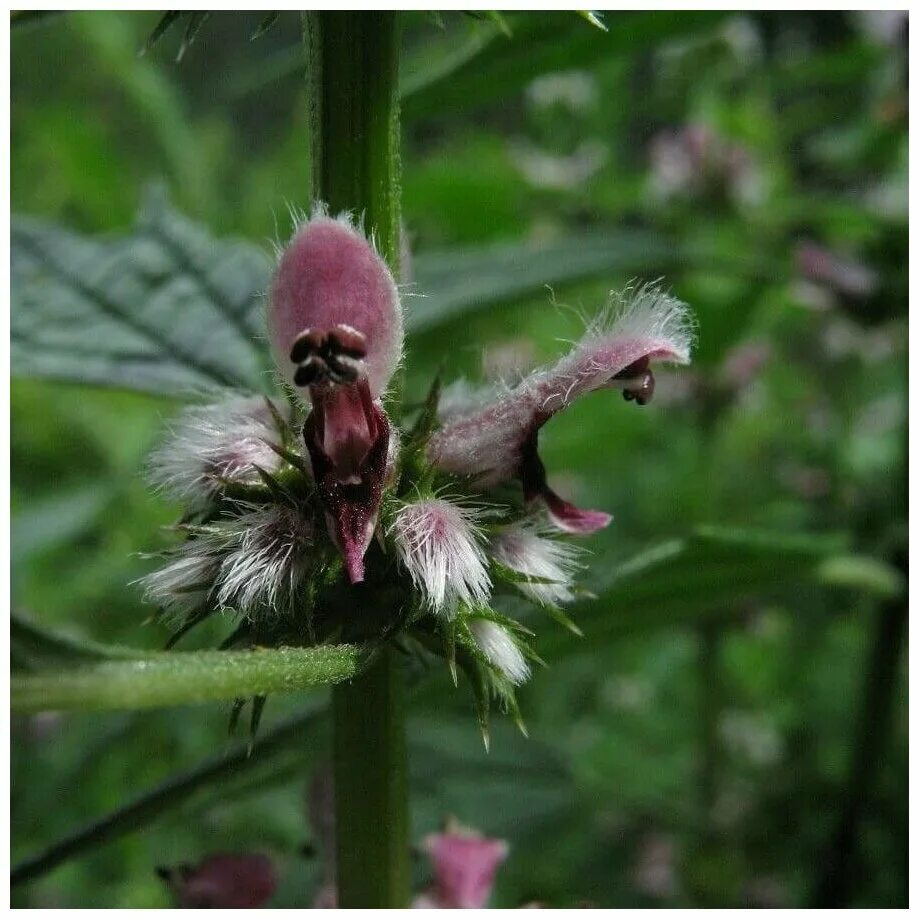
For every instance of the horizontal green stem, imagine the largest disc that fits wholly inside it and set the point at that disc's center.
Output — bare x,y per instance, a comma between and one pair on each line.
179,678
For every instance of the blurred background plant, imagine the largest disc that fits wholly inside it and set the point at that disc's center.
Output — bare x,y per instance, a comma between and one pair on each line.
732,730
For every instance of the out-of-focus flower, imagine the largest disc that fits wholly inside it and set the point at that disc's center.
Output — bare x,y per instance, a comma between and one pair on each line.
842,275
243,881
751,736
335,325
548,170
654,873
575,89
440,544
885,27
464,864
499,441
693,161
743,364
212,445
502,652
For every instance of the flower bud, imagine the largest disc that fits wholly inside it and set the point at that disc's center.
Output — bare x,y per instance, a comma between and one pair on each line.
439,545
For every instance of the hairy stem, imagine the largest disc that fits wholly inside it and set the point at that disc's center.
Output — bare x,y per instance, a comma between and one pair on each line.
353,63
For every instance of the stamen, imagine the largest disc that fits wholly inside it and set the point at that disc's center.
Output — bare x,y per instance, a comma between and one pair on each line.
342,369
308,343
641,382
310,372
336,356
347,341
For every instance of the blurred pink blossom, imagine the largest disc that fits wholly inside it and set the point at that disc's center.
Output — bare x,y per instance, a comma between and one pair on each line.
464,865
241,881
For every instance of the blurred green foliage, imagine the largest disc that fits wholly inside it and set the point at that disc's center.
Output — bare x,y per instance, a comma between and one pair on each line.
707,757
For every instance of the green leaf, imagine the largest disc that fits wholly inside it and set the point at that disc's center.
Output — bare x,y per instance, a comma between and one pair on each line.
458,281
860,572
52,521
35,648
165,309
195,21
210,779
709,576
179,678
543,43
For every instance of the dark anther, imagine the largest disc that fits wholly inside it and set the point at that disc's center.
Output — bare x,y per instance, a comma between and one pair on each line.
313,371
348,342
342,369
640,380
307,343
334,356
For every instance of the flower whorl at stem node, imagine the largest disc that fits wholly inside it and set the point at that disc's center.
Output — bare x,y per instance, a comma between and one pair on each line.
335,323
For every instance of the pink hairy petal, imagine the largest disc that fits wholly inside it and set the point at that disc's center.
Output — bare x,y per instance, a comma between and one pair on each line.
563,514
488,444
345,425
350,490
329,276
464,868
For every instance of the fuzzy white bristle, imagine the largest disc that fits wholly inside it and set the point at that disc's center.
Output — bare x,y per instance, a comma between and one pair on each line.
181,586
646,311
265,558
253,562
529,548
208,443
440,545
502,651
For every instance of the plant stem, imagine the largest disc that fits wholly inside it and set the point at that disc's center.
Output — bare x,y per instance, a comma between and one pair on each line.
841,870
353,68
371,802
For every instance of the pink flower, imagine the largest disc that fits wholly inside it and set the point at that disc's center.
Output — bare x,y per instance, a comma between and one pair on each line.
846,276
464,864
335,324
498,440
223,882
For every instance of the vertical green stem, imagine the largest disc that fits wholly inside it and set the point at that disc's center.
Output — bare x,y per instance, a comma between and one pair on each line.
840,869
353,72
371,802
710,699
